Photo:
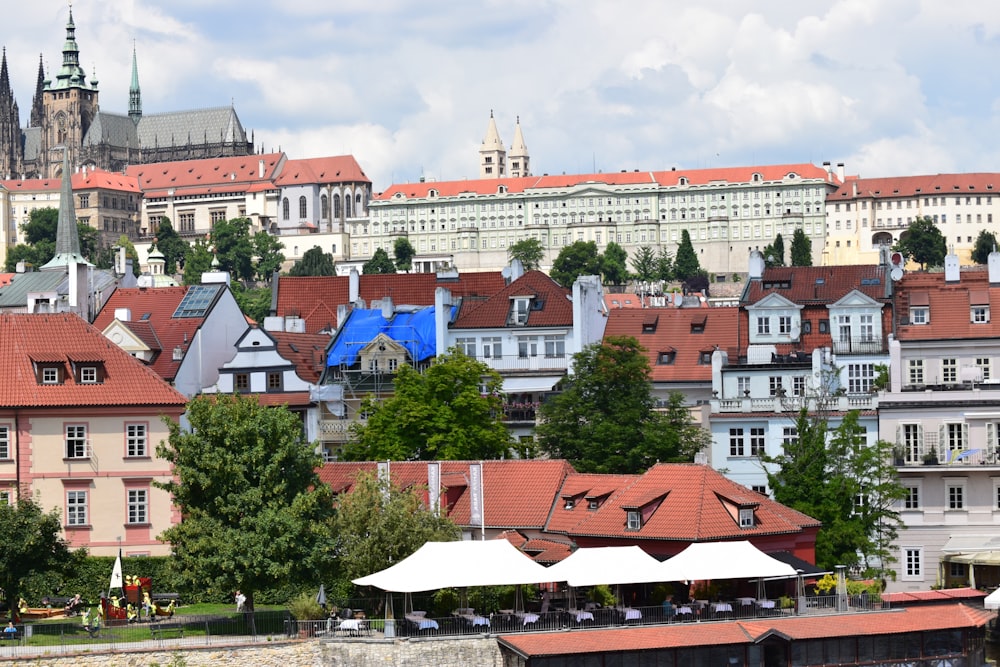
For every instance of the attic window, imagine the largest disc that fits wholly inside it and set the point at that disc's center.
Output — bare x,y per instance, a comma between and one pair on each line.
746,517
519,307
666,358
649,323
633,520
698,325
705,357
88,375
570,504
51,374
593,504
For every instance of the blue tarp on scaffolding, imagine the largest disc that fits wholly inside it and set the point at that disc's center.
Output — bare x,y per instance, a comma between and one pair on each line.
414,331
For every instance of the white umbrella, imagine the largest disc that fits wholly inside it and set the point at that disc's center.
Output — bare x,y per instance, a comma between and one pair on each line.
992,600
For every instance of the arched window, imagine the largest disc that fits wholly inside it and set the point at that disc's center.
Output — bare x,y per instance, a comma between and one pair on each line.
336,207
347,206
333,249
284,208
324,208
302,207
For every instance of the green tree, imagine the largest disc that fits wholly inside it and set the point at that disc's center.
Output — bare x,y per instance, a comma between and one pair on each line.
379,524
197,261
580,258
314,262
403,251
824,473
604,421
90,242
255,514
613,264
665,265
923,242
255,302
644,264
986,243
440,414
31,255
686,261
31,543
801,248
529,251
171,245
234,247
379,263
774,253
267,256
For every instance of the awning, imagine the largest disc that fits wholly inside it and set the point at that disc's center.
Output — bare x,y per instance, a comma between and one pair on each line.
520,385
976,558
958,544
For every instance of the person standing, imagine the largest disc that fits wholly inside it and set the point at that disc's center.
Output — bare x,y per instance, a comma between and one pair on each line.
241,601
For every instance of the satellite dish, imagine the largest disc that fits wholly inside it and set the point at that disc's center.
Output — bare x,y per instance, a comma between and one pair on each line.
896,273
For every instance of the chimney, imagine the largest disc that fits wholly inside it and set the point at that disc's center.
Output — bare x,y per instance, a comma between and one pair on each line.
387,308
756,265
951,270
993,262
260,168
354,286
840,172
123,314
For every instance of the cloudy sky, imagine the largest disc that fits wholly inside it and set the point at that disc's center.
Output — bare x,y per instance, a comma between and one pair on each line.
890,87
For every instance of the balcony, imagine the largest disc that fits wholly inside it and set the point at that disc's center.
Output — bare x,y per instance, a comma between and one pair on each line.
335,430
926,454
520,413
866,345
795,403
538,362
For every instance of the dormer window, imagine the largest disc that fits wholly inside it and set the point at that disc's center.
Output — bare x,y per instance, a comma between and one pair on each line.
920,315
979,314
88,375
705,357
51,375
649,324
746,517
519,307
666,358
570,504
633,520
593,504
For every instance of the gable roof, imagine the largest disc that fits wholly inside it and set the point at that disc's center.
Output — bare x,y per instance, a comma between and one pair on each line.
315,298
698,504
516,493
305,351
321,170
687,332
949,306
152,310
214,175
551,305
930,185
818,284
81,180
66,339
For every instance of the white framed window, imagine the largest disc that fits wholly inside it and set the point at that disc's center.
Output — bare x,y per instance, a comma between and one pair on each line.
743,385
911,501
920,315
135,440
5,497
775,385
763,325
5,451
954,494
913,559
949,371
736,442
860,378
76,508
555,346
492,347
785,325
979,314
911,437
757,441
633,520
50,376
996,493
76,441
467,346
954,438
527,346
519,311
789,436
985,366
798,385
746,517
915,371
138,506
844,328
866,327
393,364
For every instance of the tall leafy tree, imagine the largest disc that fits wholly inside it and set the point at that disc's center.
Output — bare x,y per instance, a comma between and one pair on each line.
255,514
314,262
234,247
923,242
442,413
613,264
665,264
379,524
255,302
801,248
379,263
268,257
40,240
986,242
774,253
197,261
529,251
644,264
31,543
580,258
686,263
604,421
173,247
403,251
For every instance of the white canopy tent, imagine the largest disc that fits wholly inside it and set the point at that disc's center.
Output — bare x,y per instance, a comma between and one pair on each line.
722,560
607,565
992,600
456,564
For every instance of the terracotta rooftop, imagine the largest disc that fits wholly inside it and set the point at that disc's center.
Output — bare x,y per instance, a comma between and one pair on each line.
315,299
539,550
940,595
304,350
676,339
933,185
66,340
516,493
550,305
334,169
949,306
96,179
818,284
213,175
795,628
698,504
489,186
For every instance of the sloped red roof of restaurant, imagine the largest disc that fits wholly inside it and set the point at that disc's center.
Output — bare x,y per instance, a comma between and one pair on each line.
685,332
315,298
555,307
65,338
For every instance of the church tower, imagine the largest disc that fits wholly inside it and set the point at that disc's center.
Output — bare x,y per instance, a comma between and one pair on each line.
11,155
518,156
69,105
134,95
37,105
492,156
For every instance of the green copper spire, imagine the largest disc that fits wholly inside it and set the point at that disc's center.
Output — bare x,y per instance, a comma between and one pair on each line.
67,236
134,95
71,75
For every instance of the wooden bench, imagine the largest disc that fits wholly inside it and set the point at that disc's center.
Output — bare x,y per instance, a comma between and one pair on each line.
166,597
157,630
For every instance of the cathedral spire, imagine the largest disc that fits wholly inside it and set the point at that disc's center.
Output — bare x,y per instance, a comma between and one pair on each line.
71,75
10,126
37,104
492,156
518,155
134,94
67,235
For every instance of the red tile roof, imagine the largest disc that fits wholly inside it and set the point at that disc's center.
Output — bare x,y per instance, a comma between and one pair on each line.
933,185
289,398
516,493
556,309
315,299
90,180
795,628
320,170
699,504
674,330
819,284
949,306
159,303
941,595
488,186
304,350
213,175
539,550
62,338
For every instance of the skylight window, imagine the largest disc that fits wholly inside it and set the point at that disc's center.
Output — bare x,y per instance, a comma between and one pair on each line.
197,301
